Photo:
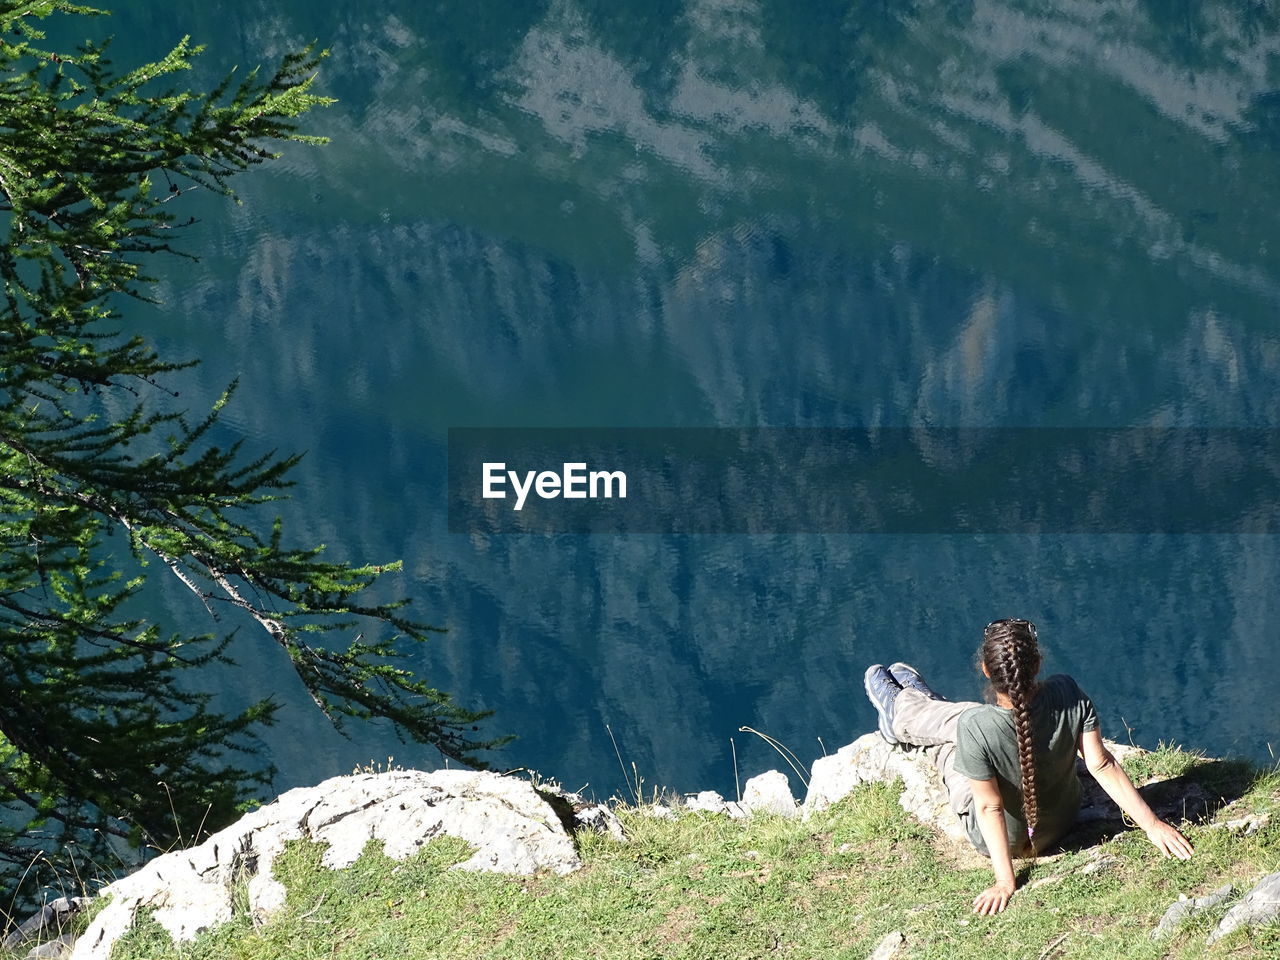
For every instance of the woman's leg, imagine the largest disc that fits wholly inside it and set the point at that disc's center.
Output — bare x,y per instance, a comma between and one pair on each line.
931,724
924,721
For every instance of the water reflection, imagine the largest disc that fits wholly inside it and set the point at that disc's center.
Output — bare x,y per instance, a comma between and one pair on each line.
726,212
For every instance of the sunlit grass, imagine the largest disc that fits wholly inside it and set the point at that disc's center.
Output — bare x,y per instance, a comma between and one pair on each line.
704,886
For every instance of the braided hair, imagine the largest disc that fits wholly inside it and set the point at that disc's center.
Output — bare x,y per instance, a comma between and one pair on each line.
1012,659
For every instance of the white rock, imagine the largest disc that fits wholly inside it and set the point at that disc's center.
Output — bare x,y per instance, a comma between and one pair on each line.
601,819
511,828
1260,905
585,814
871,758
1247,826
834,777
708,801
55,949
889,946
658,811
770,792
1180,909
1100,863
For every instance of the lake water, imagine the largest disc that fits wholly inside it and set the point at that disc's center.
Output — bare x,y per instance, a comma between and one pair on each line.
748,213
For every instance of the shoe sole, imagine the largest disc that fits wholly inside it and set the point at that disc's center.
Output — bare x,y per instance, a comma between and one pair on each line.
866,686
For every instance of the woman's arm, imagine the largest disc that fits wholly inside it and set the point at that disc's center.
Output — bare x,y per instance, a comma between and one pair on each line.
1112,778
989,809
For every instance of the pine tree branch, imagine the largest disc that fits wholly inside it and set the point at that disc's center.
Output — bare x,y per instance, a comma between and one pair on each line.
95,705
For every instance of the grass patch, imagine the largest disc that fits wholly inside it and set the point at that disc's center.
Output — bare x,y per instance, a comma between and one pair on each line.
703,886
1167,761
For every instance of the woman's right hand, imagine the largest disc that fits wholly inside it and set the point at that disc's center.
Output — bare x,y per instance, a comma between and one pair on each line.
1169,840
993,899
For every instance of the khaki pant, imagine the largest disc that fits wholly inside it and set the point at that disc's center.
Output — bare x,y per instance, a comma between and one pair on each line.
931,724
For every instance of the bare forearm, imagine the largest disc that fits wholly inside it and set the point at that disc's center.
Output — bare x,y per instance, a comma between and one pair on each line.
1167,838
991,823
1112,778
989,809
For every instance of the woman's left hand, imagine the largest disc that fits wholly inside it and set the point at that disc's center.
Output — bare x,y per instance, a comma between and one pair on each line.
1169,840
993,899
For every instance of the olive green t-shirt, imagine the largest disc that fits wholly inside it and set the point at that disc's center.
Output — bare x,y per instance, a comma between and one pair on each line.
986,747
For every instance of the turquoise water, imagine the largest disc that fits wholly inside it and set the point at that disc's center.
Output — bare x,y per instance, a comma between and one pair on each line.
749,213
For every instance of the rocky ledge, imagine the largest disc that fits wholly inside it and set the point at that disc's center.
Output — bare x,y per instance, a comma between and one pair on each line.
516,828
511,826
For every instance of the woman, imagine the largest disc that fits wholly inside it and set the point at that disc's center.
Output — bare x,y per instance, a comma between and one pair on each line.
1009,768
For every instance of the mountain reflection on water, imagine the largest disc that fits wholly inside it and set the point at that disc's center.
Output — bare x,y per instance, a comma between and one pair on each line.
742,213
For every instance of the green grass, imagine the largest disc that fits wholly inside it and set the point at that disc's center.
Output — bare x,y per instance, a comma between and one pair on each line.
702,886
1166,762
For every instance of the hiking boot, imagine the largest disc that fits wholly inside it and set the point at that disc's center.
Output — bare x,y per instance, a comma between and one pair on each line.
882,691
908,676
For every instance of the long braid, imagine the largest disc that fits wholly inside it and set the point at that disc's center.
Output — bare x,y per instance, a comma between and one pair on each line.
1012,658
1019,697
